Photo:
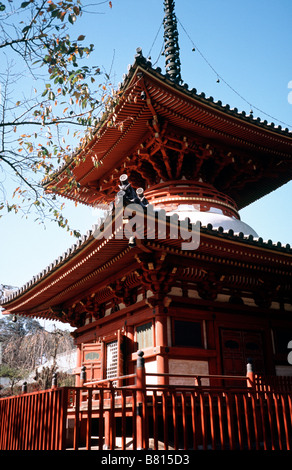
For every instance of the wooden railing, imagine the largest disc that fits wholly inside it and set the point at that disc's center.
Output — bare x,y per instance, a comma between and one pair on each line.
137,416
272,383
34,421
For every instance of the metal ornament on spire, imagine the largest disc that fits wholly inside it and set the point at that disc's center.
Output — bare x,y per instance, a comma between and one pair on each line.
171,47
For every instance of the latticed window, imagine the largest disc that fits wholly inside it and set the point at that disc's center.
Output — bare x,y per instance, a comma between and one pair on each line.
144,336
112,359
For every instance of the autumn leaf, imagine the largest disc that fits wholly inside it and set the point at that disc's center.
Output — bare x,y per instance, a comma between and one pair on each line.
58,54
24,4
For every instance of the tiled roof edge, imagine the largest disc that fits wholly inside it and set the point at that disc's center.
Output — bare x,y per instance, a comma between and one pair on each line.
140,60
208,229
249,118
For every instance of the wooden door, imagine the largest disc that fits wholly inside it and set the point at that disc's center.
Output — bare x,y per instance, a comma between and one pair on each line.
92,359
237,346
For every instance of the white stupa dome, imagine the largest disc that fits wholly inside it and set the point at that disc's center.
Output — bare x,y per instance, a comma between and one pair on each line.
215,217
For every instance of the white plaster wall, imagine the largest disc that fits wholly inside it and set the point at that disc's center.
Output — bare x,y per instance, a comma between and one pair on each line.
186,367
284,370
151,366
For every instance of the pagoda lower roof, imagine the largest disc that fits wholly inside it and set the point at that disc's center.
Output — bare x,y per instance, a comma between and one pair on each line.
146,95
93,264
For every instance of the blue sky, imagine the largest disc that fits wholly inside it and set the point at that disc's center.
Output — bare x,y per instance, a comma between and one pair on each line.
248,44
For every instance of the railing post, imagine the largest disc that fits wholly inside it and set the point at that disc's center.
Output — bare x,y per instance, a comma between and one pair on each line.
54,380
249,373
63,396
141,385
198,382
83,376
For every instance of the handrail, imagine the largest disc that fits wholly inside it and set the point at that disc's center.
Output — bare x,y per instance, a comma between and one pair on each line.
204,376
141,375
112,379
197,377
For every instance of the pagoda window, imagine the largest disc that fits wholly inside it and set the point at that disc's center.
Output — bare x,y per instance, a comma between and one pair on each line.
281,339
144,335
188,333
112,359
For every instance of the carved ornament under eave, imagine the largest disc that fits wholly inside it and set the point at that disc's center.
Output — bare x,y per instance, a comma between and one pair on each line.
165,155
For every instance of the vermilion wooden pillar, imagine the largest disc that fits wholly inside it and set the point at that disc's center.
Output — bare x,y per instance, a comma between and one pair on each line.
140,397
250,374
161,342
78,366
130,338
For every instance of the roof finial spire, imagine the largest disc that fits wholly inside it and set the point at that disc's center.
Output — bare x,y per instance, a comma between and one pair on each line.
171,47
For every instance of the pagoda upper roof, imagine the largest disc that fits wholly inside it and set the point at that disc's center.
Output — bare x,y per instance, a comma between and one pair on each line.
146,95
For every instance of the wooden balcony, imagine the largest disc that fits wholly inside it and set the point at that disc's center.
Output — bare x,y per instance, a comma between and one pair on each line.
230,413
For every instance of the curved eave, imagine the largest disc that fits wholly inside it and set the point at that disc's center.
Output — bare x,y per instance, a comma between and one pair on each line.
110,146
93,262
176,100
89,261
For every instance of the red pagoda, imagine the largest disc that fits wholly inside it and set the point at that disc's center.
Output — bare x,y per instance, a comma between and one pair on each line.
205,305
